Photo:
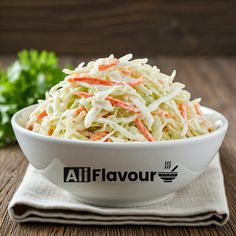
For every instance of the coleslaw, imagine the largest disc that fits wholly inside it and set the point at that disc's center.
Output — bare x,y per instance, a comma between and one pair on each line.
119,100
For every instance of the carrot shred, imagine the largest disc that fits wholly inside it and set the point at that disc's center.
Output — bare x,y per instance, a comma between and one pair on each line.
136,82
197,109
84,94
108,66
125,105
42,115
183,110
98,81
79,110
98,136
125,72
114,102
144,130
92,80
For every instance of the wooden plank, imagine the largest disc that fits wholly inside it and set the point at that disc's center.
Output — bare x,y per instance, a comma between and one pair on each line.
214,81
97,28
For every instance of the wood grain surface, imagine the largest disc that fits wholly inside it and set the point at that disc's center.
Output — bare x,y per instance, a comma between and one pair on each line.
99,27
213,80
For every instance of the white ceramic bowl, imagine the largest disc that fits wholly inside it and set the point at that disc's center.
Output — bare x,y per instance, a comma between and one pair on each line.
175,162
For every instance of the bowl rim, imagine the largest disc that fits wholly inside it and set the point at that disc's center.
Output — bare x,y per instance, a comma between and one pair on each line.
219,131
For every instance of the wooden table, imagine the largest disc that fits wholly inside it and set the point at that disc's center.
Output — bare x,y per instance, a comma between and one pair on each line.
214,80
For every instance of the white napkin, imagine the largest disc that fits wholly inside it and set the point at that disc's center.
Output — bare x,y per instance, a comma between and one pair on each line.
202,202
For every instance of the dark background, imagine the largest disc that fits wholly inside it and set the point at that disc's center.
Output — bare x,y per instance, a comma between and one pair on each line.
97,28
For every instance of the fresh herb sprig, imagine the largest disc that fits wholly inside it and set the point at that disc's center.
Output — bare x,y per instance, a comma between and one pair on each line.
23,83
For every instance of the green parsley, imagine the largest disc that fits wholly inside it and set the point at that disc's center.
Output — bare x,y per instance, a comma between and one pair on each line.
23,83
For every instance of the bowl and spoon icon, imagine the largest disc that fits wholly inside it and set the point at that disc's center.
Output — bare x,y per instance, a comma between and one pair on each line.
168,176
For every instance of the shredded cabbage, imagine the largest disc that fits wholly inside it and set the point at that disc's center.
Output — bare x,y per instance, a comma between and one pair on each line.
119,100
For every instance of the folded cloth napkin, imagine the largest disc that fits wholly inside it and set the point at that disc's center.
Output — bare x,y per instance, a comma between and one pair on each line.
200,203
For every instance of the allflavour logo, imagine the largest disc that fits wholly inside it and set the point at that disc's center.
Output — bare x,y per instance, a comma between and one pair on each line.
88,174
77,174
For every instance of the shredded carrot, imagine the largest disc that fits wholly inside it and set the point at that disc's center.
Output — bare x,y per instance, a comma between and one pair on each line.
125,72
83,94
79,110
92,80
136,82
114,102
50,132
144,130
98,81
125,105
98,136
105,67
42,115
197,108
183,110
